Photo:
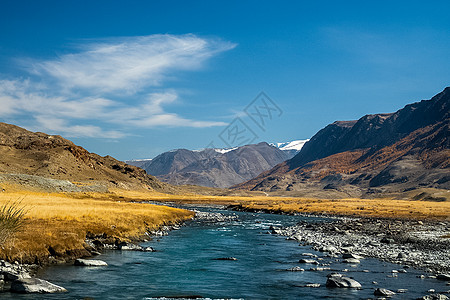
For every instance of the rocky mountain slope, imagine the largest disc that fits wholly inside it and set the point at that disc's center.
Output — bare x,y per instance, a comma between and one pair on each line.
381,153
215,167
45,160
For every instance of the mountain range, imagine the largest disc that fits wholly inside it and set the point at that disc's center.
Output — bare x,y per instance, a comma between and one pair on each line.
379,153
218,167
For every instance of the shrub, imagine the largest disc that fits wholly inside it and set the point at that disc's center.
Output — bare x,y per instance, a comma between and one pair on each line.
11,219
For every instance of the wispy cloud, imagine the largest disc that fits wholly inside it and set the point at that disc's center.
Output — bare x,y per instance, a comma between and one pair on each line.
75,93
129,64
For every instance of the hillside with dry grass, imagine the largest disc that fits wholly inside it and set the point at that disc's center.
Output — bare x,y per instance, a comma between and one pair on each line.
51,156
376,155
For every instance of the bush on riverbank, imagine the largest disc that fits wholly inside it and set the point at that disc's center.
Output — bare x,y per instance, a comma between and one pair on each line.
11,219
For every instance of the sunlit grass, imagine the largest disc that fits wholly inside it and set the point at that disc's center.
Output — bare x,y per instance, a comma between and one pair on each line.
380,207
62,222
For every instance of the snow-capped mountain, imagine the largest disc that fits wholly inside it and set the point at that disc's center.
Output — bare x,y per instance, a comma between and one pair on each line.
292,147
218,167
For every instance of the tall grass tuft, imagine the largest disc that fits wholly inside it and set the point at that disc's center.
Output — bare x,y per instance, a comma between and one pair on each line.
11,219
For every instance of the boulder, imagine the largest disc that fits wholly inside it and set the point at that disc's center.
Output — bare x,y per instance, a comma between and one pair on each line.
342,282
383,292
35,285
90,262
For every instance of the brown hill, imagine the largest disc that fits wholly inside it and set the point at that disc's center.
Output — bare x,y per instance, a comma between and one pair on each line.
37,156
383,153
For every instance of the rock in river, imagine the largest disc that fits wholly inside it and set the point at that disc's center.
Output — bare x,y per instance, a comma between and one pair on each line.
35,285
308,261
90,262
383,292
342,282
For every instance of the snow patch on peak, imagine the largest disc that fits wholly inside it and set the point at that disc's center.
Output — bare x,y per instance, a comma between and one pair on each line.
222,151
293,145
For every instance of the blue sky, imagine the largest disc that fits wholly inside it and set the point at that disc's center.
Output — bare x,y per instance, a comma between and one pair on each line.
137,78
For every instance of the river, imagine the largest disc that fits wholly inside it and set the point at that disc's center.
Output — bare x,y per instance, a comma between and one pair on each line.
186,265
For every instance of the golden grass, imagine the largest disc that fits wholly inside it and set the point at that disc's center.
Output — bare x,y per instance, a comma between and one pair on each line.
385,208
382,207
62,222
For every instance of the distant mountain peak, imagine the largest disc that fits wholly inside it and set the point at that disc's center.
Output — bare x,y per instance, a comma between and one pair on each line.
218,167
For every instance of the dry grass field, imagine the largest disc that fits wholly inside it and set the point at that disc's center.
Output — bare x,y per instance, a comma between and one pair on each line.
382,207
62,221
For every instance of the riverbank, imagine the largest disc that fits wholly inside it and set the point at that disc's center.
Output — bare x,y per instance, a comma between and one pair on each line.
411,233
57,225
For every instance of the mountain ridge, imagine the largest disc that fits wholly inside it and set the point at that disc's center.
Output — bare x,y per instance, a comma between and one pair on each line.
368,155
215,167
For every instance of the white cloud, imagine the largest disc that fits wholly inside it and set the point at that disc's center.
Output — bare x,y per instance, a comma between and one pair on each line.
129,64
58,114
73,94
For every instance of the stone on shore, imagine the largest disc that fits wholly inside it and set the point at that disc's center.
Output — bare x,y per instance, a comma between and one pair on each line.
351,255
90,263
328,248
35,285
351,261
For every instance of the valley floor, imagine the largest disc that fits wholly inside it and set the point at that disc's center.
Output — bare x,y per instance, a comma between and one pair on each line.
57,224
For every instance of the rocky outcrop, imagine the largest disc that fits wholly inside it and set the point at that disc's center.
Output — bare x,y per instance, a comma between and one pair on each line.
18,278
